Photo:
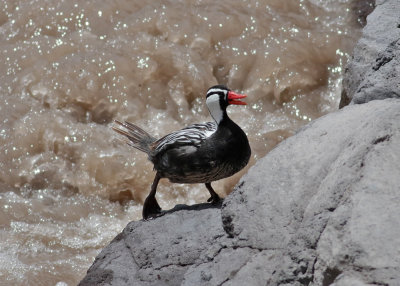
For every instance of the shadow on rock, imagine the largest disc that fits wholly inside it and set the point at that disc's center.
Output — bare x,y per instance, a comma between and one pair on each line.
195,207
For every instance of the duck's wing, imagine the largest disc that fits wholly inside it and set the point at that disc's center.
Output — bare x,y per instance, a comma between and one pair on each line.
192,135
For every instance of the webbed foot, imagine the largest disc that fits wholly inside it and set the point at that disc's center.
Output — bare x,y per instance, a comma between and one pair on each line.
214,199
151,208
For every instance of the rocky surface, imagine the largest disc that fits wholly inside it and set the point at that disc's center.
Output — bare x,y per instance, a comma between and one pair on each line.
322,208
374,71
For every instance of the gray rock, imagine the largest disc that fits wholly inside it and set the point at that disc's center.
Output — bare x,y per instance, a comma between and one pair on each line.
159,251
374,70
321,208
113,266
338,171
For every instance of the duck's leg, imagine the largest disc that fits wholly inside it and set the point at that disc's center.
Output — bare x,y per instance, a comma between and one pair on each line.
151,207
214,199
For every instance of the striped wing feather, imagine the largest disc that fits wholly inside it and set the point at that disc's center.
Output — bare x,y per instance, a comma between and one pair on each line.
192,135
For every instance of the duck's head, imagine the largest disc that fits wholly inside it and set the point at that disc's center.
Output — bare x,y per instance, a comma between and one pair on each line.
218,98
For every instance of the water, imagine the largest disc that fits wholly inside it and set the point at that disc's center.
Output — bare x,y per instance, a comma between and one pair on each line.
68,183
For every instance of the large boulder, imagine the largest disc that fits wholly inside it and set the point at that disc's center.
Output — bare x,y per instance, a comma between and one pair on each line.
321,208
374,70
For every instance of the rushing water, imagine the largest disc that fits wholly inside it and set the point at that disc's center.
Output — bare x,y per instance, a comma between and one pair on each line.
68,183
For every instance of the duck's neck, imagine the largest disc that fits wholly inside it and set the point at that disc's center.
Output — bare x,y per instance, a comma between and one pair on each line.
216,112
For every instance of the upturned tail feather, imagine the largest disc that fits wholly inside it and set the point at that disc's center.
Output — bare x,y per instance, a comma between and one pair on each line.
138,138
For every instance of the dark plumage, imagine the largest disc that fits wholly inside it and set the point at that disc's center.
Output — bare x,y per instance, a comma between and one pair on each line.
200,153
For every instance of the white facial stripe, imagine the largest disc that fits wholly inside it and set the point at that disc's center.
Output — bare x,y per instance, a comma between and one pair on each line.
216,90
212,99
214,107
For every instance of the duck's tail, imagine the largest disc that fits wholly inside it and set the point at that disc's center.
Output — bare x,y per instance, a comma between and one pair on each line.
138,138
